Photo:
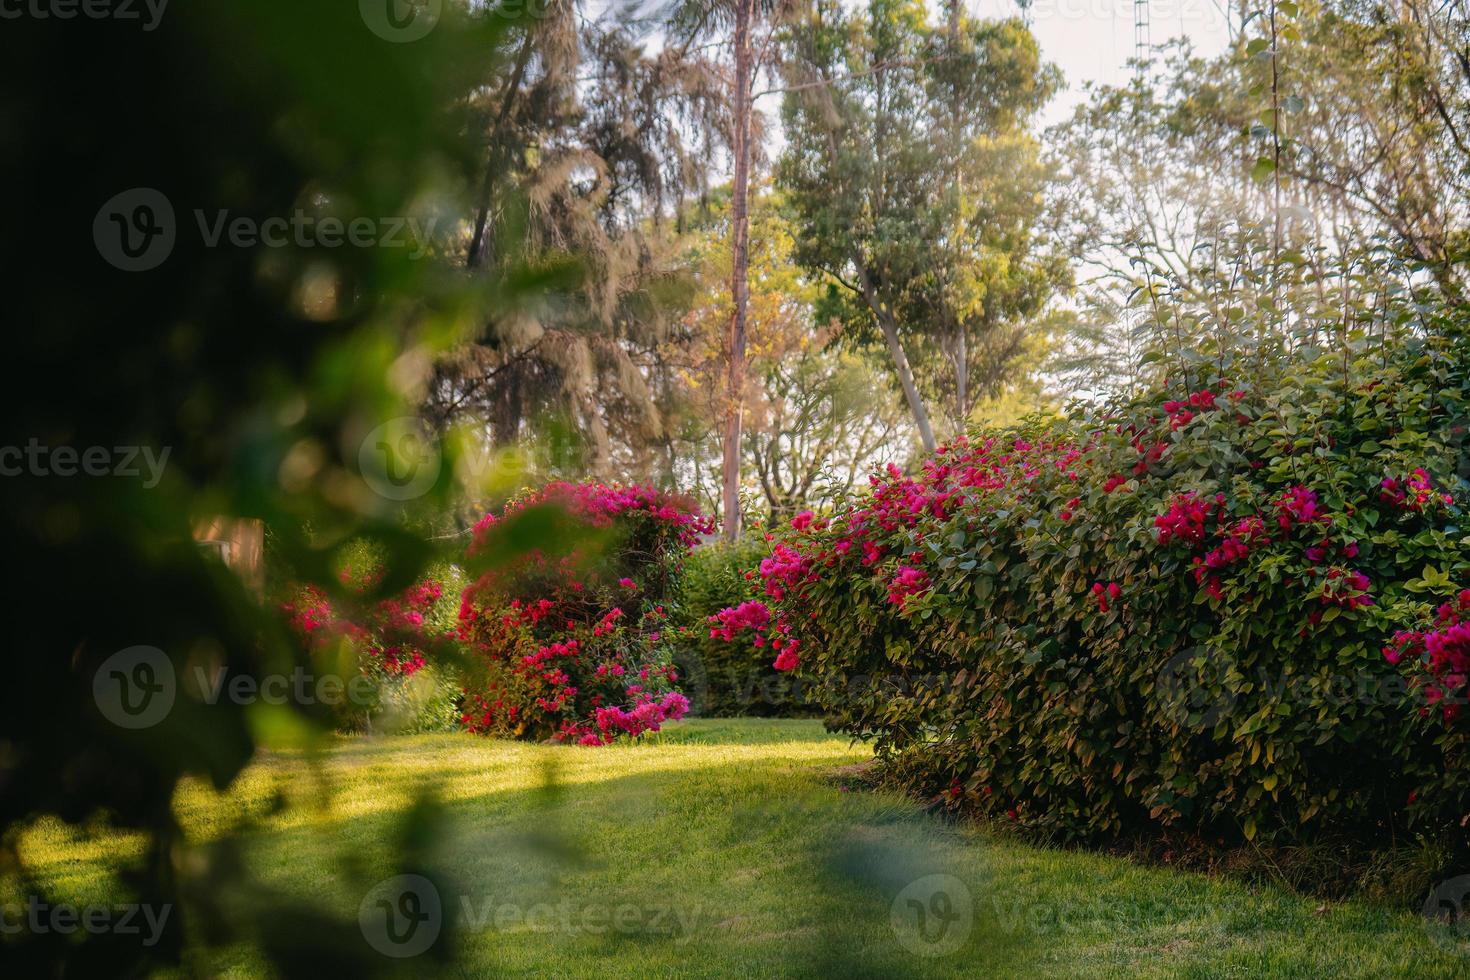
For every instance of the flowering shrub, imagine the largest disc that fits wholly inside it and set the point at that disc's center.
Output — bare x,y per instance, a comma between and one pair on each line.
1439,656
1169,610
1435,661
391,633
387,640
728,635
571,639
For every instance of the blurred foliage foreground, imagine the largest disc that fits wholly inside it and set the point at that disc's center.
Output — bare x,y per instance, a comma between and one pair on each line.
189,355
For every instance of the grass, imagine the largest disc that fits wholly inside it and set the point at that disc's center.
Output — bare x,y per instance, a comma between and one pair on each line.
728,849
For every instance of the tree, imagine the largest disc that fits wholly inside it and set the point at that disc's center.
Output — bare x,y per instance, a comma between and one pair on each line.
821,417
594,144
694,21
1382,122
1322,156
922,219
739,267
817,415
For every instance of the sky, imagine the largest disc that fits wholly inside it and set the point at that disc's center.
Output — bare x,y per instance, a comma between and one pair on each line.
1090,41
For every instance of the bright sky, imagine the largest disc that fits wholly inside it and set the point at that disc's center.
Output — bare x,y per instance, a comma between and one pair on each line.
1092,40
1089,40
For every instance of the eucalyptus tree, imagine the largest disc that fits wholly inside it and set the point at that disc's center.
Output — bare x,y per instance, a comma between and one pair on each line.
923,220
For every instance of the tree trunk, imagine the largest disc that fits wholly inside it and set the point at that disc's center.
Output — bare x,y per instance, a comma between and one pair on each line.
889,326
956,176
961,380
480,239
906,378
739,260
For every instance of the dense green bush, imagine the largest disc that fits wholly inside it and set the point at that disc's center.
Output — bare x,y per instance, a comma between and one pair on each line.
724,678
1167,611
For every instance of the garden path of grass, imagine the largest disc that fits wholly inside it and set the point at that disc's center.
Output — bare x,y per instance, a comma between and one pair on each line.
731,849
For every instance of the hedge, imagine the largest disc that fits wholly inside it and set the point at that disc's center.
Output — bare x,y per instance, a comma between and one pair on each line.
1208,607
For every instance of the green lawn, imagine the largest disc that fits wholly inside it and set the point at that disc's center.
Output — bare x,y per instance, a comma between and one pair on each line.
731,849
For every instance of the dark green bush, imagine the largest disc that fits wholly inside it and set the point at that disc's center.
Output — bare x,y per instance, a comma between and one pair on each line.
721,677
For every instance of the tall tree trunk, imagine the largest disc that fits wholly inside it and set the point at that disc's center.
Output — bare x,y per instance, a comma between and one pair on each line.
480,239
961,380
889,326
906,378
956,176
739,261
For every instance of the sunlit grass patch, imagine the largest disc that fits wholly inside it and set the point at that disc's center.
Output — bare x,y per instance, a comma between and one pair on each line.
728,848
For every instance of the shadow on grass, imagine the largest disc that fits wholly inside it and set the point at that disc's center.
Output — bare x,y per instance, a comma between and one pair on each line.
706,857
706,871
717,863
